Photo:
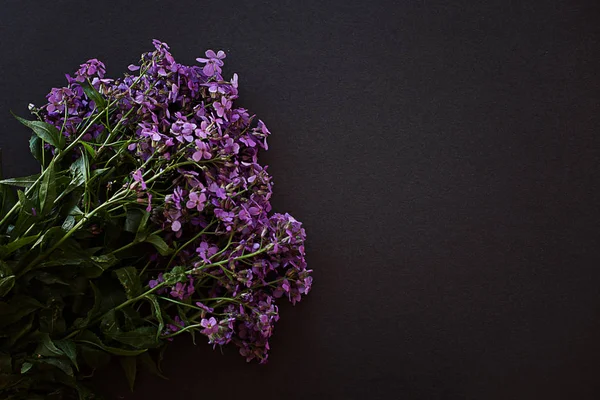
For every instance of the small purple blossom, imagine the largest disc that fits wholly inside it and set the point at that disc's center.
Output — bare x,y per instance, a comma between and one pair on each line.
213,62
210,326
137,176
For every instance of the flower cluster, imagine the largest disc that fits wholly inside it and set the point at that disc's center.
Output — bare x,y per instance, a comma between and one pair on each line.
196,171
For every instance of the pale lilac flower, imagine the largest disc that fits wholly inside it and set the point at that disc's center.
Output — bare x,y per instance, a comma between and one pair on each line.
213,62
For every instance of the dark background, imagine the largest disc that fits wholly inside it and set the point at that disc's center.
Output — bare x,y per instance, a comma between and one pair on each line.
443,156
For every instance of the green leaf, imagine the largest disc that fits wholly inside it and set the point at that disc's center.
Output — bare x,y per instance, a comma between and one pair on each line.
11,247
60,364
94,95
150,365
83,322
17,308
109,324
36,146
89,149
133,219
159,244
6,363
48,133
6,285
69,223
129,365
90,338
157,313
26,367
94,357
21,330
69,349
50,236
143,337
105,261
143,224
128,276
24,181
47,347
48,190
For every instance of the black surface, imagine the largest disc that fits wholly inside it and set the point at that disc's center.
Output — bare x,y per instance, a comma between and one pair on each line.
443,156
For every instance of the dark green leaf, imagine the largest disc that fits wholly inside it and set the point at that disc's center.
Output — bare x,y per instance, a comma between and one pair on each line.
47,347
129,365
21,330
159,244
24,181
63,365
149,365
79,171
105,261
89,149
143,337
94,95
83,322
69,223
17,308
11,247
6,285
48,190
133,220
141,231
45,131
50,236
157,313
128,276
109,324
49,279
36,146
26,367
6,363
90,338
69,349
94,357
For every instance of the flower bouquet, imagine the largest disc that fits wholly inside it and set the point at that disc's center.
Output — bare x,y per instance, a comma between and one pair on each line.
150,218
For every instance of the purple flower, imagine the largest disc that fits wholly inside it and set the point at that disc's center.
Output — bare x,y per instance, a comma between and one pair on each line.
202,151
210,326
205,251
213,62
196,201
178,291
217,190
137,176
176,226
221,107
176,117
204,307
154,282
149,208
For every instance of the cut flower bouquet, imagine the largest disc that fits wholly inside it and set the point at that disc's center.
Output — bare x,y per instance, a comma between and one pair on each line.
150,218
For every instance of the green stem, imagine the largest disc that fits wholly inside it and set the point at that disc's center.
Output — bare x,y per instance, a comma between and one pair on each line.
202,232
